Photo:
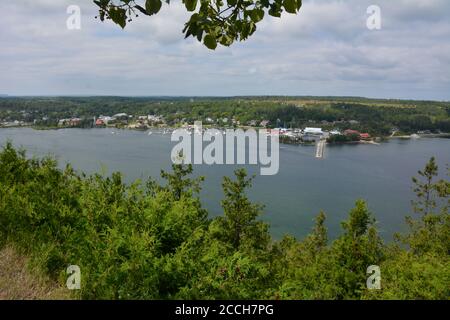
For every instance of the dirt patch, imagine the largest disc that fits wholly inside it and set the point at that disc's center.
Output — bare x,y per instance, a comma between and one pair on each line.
18,282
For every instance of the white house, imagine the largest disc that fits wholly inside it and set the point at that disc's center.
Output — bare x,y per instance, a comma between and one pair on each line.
313,131
121,116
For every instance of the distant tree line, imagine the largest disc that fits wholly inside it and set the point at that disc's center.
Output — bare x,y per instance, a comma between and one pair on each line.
377,117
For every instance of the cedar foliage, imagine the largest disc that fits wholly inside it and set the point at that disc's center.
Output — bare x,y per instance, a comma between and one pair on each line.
155,241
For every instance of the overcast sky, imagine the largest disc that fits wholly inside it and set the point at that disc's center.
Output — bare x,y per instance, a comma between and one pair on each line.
324,50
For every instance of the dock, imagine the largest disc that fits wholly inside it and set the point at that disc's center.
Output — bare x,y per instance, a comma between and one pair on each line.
320,149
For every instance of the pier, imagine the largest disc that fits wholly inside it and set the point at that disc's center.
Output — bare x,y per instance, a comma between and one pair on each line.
320,148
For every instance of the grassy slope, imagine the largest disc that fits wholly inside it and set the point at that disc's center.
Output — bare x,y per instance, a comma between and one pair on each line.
19,282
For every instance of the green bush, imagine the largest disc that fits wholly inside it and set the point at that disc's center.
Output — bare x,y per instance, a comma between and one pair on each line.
152,241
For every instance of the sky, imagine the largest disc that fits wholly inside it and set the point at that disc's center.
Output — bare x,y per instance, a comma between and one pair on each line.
325,50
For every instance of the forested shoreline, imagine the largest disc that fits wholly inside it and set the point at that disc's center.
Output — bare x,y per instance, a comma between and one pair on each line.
147,240
375,116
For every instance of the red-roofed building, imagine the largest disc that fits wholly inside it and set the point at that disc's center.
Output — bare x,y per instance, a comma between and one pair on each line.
351,132
364,136
74,122
99,122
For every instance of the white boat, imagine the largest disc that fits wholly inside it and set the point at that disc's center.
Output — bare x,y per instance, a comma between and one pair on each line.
149,133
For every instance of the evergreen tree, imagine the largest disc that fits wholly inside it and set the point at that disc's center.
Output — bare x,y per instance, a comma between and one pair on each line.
177,182
239,222
425,189
318,239
357,249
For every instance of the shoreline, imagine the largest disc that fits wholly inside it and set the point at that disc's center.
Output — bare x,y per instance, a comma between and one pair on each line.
374,141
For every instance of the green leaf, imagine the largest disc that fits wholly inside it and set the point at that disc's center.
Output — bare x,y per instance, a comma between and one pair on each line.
210,42
275,10
190,4
252,28
153,6
199,34
290,6
119,16
226,40
256,15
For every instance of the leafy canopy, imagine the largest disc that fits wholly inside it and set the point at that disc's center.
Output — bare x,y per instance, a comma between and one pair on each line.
212,21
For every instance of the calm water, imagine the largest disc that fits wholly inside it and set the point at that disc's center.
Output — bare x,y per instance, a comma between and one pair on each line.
304,185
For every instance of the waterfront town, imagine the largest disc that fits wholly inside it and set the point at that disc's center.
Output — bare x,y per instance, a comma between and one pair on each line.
307,135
